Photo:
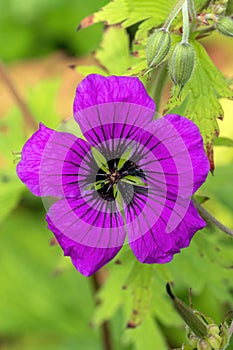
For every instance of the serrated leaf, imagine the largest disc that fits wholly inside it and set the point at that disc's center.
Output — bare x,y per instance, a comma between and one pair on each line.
199,100
129,12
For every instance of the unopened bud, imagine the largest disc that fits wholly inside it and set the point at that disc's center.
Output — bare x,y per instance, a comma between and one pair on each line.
203,345
181,64
219,9
157,48
215,341
213,329
186,347
193,339
224,333
225,26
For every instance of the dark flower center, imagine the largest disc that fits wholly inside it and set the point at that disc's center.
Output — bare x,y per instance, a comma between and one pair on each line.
125,177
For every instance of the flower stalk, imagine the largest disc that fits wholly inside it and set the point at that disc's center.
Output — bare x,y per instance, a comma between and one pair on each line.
173,14
185,13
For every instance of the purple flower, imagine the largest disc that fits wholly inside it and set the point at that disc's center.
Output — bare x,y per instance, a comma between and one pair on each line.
126,176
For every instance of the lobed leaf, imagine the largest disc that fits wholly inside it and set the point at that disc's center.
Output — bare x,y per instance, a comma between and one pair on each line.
199,100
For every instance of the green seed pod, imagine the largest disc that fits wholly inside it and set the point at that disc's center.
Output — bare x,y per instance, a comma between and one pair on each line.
203,345
181,63
225,26
157,48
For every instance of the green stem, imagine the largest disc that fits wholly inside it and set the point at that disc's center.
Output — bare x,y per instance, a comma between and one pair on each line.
158,85
185,13
193,14
173,14
210,218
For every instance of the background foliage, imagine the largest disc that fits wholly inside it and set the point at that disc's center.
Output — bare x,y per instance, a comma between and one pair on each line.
44,303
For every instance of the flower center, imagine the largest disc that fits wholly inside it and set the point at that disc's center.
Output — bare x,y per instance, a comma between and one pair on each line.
118,175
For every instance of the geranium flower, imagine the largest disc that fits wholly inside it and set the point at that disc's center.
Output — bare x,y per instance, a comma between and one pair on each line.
127,175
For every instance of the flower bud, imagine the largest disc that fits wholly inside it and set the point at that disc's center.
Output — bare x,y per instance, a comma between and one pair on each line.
157,48
215,341
213,329
203,345
193,339
181,64
225,26
224,333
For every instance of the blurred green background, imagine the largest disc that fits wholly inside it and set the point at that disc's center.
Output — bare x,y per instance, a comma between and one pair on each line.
44,303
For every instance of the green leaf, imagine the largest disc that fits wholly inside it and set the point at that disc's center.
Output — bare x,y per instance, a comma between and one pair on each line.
129,12
116,59
223,141
113,293
86,70
42,102
114,52
140,285
147,336
199,100
100,159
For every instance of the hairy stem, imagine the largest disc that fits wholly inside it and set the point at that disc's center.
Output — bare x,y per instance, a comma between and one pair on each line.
173,14
27,116
106,336
210,218
193,14
185,13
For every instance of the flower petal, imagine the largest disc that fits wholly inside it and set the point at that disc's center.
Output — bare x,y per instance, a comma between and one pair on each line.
87,260
96,89
159,246
192,138
89,221
28,169
51,161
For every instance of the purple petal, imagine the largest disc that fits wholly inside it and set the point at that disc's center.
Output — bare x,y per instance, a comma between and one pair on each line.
113,121
89,221
51,162
28,169
159,246
192,139
96,89
87,260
